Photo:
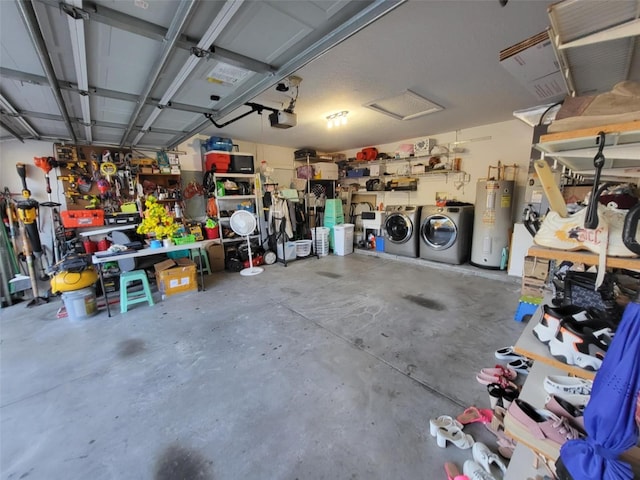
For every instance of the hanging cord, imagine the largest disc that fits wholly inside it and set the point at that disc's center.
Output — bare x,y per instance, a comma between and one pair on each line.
548,110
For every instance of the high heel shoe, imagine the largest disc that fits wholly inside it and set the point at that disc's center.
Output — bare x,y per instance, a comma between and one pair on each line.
456,436
445,422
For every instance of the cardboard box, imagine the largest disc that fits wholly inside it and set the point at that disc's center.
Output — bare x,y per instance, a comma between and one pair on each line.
535,268
533,62
216,257
532,287
176,276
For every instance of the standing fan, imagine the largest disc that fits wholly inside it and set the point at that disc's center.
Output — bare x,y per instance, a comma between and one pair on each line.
244,223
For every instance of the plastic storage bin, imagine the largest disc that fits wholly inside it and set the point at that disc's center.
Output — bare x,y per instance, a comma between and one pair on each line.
289,251
343,239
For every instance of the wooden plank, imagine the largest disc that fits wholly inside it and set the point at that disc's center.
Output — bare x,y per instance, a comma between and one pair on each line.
591,132
581,256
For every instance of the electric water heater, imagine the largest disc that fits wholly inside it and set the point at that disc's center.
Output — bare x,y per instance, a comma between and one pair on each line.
492,223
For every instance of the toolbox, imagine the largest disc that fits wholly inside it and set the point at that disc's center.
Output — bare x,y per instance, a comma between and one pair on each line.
82,218
124,218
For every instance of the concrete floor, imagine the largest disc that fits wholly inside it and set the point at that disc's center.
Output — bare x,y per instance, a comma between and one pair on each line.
325,369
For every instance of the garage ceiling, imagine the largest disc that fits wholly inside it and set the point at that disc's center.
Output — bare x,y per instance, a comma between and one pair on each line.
147,73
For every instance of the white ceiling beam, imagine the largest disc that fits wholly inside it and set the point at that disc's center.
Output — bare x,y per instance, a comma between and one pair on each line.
101,14
8,107
177,24
629,29
78,45
222,19
30,19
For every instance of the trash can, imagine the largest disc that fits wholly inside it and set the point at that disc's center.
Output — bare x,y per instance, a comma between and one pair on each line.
343,238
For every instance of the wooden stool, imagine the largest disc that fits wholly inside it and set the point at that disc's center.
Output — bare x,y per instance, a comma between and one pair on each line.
136,297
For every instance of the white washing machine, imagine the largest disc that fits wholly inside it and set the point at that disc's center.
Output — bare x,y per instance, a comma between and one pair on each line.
401,227
446,232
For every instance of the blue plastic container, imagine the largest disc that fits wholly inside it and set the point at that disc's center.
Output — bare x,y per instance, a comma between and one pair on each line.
219,143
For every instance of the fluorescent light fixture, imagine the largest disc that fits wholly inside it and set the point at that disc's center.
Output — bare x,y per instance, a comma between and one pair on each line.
337,119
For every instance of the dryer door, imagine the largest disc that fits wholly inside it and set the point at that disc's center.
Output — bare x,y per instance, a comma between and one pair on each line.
438,231
398,228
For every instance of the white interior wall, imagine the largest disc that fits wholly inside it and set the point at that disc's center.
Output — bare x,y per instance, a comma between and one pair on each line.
509,143
506,142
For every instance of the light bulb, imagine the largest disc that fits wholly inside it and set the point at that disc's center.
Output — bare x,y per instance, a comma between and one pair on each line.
330,124
344,120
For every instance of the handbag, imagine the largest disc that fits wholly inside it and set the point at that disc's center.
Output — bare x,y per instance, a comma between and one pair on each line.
580,290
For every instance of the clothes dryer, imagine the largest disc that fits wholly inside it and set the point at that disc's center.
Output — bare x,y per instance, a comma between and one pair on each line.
446,232
401,230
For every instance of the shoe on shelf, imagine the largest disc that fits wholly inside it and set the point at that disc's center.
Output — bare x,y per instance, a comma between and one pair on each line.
549,324
500,371
539,428
507,354
486,379
501,396
454,435
486,458
445,422
522,365
583,344
574,390
562,408
475,471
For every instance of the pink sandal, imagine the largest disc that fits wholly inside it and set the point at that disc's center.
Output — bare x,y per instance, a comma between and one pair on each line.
474,414
485,379
501,371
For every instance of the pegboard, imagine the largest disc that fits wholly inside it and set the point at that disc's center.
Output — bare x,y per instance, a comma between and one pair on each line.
95,177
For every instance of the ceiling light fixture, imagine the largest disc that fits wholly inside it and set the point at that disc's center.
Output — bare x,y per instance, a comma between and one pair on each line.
337,119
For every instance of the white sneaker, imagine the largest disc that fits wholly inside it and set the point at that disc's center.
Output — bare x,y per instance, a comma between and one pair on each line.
475,472
572,389
485,458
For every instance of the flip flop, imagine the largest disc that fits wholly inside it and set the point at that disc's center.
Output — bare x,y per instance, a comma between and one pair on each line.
474,414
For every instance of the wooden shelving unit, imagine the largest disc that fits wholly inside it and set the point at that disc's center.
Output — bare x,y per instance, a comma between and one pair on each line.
585,257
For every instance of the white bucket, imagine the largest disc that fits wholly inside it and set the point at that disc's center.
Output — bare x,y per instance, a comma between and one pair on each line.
80,304
321,243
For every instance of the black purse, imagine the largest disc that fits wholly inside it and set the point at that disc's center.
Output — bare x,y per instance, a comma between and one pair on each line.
580,290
